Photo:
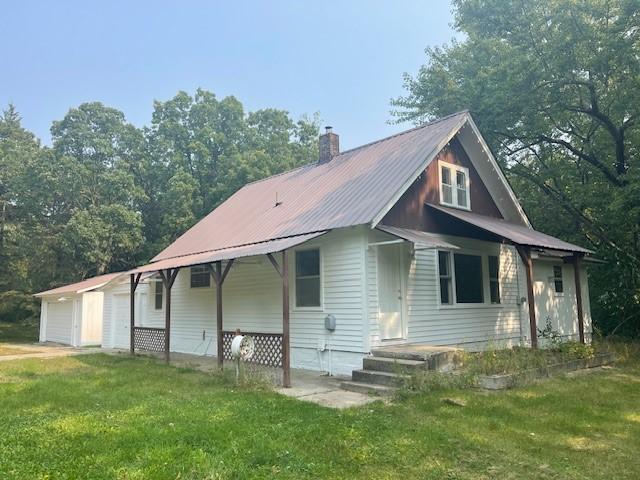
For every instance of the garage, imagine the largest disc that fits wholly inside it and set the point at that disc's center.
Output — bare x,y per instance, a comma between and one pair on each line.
73,314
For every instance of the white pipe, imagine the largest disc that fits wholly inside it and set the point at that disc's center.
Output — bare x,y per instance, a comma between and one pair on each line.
330,360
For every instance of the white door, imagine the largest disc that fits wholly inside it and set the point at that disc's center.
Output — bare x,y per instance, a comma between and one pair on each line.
59,322
390,294
121,321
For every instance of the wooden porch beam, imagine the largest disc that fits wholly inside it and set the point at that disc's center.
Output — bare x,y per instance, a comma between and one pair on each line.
576,272
274,262
525,254
286,357
134,281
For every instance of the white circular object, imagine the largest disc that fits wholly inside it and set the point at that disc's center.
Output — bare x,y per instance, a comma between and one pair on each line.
242,347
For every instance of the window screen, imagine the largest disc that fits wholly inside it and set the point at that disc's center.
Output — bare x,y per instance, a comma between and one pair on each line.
494,278
468,274
444,269
158,295
308,278
557,279
200,277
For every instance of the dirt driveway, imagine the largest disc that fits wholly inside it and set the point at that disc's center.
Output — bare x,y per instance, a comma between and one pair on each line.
17,351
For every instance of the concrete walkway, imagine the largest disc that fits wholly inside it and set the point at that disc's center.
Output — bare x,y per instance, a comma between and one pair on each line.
44,350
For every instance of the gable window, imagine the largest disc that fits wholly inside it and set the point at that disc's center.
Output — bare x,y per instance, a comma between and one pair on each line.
200,277
308,278
444,269
157,295
558,286
494,278
454,185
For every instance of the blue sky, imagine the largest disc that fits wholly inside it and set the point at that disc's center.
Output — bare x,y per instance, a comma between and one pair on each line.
344,60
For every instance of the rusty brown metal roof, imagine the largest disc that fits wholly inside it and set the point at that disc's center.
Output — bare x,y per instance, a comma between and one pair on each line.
83,286
421,240
351,189
261,248
516,233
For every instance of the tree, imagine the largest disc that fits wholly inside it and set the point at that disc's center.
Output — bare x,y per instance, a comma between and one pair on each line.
555,87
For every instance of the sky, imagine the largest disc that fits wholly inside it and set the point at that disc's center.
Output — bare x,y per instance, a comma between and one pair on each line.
344,60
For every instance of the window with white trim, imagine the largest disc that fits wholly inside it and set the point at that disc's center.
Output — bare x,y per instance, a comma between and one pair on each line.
444,269
308,292
558,284
494,278
200,277
454,186
157,294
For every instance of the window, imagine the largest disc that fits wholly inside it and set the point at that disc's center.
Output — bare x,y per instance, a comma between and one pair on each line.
308,278
454,185
557,279
494,278
158,295
444,269
200,277
468,276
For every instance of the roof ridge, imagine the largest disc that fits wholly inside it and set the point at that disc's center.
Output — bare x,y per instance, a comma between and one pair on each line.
404,132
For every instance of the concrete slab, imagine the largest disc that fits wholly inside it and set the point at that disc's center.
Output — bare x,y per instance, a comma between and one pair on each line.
44,350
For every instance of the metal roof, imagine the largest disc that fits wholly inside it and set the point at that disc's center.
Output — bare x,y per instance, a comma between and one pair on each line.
261,248
83,286
516,233
351,189
421,240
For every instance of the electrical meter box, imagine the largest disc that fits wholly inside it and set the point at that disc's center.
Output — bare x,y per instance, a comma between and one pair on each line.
330,322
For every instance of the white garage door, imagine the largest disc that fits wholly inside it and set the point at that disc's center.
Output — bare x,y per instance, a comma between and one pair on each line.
121,321
59,324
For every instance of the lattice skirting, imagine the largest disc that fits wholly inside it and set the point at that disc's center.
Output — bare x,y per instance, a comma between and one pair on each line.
149,339
268,347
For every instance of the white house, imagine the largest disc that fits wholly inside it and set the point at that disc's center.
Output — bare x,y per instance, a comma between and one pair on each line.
415,238
72,314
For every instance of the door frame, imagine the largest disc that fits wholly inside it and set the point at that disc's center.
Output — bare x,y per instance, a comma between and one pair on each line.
402,270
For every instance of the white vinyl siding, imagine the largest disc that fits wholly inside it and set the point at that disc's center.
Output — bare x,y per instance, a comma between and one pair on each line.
252,302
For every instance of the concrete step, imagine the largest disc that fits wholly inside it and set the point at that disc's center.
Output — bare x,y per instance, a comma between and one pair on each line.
367,388
442,359
379,378
393,365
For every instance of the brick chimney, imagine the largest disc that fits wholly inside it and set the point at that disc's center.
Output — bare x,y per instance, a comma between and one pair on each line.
329,145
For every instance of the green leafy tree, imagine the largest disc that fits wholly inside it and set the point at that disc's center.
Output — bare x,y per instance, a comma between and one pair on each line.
555,87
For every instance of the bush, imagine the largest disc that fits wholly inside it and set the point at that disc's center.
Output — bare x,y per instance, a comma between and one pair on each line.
18,307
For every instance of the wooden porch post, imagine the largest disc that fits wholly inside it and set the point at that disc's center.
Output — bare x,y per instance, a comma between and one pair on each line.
134,280
219,326
219,277
525,254
286,358
576,273
168,277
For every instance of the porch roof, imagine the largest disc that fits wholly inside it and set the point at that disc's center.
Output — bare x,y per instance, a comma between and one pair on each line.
421,240
261,248
517,234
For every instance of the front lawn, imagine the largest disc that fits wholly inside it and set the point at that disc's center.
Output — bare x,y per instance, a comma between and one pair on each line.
99,416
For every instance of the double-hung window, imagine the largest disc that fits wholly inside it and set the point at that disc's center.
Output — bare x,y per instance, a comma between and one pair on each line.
308,292
494,279
200,277
444,269
157,295
454,186
558,284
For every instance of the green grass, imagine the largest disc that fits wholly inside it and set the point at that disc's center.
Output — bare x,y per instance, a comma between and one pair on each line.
19,332
99,416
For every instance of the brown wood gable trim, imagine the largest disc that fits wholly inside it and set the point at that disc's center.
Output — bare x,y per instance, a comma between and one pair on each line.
410,210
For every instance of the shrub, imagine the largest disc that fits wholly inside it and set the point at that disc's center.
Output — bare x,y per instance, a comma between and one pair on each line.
576,350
